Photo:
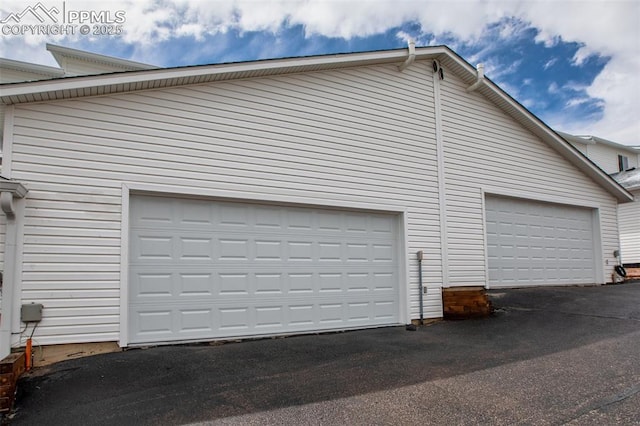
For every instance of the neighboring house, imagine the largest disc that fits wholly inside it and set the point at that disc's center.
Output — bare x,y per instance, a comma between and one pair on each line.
622,163
629,218
609,156
285,196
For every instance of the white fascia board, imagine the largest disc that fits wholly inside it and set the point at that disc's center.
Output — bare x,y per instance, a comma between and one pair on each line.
577,139
275,65
32,68
60,52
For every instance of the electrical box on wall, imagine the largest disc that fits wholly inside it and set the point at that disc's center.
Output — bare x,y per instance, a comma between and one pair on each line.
31,312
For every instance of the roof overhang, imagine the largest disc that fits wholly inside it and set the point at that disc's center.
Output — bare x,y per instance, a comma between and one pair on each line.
46,71
577,139
60,54
120,82
593,140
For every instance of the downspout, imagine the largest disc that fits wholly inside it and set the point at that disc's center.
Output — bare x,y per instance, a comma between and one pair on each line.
9,190
479,78
438,75
411,58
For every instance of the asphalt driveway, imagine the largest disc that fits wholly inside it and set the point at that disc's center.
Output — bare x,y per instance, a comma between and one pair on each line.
547,356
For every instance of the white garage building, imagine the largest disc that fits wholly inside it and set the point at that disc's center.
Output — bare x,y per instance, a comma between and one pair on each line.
284,196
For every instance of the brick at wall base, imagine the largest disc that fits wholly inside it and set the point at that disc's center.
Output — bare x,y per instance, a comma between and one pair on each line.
633,273
11,367
465,302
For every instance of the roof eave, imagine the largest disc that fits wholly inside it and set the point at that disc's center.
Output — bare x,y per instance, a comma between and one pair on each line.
616,145
134,80
60,52
31,68
577,139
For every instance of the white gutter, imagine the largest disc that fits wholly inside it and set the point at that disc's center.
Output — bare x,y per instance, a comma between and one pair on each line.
411,58
480,78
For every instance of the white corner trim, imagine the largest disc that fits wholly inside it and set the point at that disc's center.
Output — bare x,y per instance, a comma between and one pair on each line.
124,268
404,280
598,247
7,142
484,238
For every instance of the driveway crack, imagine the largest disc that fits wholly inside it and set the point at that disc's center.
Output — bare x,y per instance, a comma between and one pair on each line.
605,402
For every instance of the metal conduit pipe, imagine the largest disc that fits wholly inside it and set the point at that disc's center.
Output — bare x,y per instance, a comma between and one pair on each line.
420,257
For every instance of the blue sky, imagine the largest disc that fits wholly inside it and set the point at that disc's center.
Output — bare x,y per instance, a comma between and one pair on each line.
575,64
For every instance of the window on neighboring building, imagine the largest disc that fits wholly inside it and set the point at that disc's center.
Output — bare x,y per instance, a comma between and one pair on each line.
623,163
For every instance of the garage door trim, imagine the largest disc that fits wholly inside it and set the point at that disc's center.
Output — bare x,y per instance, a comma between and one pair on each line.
599,277
129,189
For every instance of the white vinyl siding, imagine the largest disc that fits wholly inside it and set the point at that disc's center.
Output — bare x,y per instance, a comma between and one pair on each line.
582,147
362,135
629,222
486,150
3,108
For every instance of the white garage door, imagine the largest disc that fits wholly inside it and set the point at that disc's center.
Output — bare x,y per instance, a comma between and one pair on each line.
201,269
535,243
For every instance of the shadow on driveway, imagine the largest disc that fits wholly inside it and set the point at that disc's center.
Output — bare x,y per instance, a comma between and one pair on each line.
182,384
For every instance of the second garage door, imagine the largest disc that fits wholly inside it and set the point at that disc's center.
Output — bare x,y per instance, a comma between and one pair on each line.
202,270
536,243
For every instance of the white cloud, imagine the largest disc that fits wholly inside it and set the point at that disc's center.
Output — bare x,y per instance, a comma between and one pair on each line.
577,101
606,28
618,86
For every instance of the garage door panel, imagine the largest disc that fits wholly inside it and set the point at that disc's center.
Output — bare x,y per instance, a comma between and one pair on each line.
535,243
218,269
162,247
153,284
193,321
